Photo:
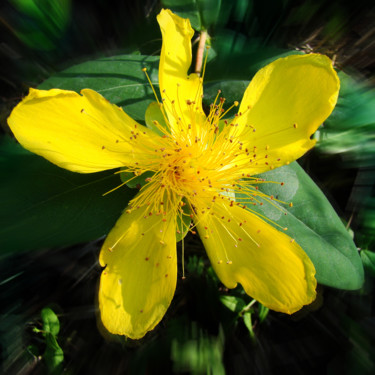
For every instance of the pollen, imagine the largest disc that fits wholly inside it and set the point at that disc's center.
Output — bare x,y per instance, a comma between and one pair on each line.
198,156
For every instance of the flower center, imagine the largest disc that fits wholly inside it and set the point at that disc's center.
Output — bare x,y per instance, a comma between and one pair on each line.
201,161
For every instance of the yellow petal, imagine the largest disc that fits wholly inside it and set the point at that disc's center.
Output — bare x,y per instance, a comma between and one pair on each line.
283,106
176,87
271,267
83,133
138,284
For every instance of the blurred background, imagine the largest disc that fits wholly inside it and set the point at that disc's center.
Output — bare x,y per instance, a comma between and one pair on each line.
202,333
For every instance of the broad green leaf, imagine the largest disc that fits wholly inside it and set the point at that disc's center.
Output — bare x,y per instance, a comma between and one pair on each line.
314,224
46,206
119,79
51,322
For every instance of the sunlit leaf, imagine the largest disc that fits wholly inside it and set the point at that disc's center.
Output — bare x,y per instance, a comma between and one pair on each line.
233,303
53,355
50,320
314,224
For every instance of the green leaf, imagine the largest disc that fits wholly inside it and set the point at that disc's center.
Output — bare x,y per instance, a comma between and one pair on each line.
351,127
53,355
249,324
119,79
51,322
233,303
368,260
314,224
46,206
185,9
154,113
209,11
263,312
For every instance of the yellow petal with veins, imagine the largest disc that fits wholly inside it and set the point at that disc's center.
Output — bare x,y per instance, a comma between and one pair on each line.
176,86
139,281
282,107
83,133
271,267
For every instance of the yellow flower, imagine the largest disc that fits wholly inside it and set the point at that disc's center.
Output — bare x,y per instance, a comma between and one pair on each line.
202,168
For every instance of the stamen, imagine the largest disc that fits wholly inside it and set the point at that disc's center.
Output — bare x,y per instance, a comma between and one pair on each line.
144,70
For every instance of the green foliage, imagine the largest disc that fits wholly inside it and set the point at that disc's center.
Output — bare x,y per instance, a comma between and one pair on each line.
368,259
248,323
42,23
233,303
237,305
195,351
185,9
47,206
119,79
202,13
51,322
351,127
313,223
53,355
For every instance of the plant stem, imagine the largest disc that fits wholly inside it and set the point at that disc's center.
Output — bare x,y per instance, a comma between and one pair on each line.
200,52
